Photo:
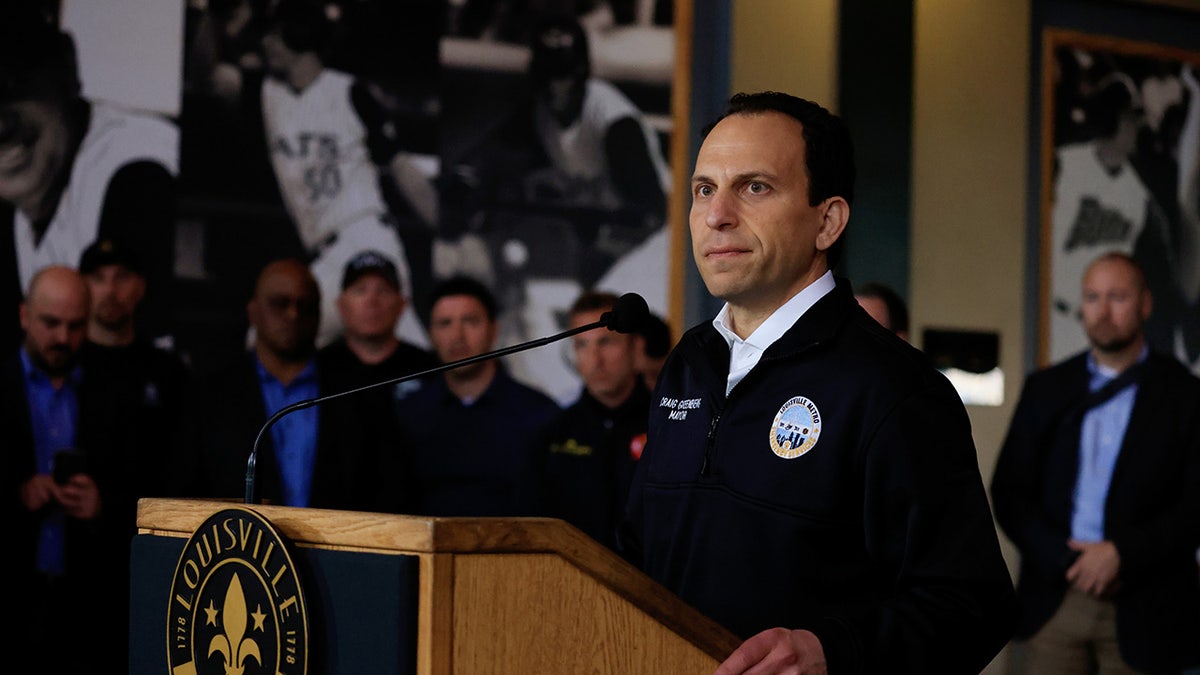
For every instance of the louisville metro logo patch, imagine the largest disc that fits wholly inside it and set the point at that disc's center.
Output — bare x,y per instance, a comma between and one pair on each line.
796,428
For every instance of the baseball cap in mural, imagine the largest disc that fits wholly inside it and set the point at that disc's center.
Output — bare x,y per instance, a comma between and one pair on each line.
370,262
107,252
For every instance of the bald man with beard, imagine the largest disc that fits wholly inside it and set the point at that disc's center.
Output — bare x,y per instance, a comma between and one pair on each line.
1096,487
68,501
325,456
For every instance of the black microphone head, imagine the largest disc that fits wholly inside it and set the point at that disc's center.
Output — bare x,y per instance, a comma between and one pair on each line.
628,315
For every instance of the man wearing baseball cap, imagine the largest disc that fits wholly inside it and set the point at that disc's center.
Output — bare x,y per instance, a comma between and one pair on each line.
142,383
368,352
323,456
371,301
134,384
117,286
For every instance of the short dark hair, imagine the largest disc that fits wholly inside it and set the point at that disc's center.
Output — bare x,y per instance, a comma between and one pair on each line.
590,301
464,285
896,307
828,148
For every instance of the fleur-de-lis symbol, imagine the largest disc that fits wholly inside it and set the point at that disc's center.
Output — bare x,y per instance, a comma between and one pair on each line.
234,617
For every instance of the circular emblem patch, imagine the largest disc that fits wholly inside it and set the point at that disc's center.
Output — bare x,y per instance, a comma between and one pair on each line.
796,428
236,604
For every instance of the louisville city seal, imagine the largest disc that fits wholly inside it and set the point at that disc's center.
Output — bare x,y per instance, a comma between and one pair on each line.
796,428
236,604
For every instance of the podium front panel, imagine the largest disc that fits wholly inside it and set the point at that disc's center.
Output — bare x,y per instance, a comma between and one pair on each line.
361,607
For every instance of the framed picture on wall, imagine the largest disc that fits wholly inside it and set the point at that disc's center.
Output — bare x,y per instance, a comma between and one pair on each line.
527,145
1120,159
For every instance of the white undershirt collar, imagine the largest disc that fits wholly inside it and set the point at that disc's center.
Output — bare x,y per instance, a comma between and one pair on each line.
745,354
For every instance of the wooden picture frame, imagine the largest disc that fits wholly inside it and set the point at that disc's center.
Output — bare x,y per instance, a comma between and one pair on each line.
1115,115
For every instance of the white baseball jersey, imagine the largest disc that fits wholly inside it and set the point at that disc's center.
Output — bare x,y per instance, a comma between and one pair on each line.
330,186
318,147
578,150
1094,212
115,138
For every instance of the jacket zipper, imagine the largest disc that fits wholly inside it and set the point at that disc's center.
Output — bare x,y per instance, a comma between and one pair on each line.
708,448
711,440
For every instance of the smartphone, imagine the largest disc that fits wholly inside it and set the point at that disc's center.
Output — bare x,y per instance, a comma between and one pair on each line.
67,463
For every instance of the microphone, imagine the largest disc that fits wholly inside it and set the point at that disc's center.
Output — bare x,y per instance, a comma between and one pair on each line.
628,315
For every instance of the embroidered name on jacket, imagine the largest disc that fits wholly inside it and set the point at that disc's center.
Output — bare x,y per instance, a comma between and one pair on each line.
796,428
679,408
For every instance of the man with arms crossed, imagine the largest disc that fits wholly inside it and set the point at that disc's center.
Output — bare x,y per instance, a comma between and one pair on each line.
809,480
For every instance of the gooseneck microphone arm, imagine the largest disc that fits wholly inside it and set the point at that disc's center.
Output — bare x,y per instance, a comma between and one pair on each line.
627,316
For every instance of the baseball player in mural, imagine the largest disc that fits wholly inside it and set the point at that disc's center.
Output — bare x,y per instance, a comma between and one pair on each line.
1186,338
73,170
1100,202
553,192
1125,182
602,154
331,144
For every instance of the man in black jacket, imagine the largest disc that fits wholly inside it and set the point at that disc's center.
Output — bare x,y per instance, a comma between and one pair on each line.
368,351
327,456
809,479
69,500
141,380
596,442
1096,485
475,434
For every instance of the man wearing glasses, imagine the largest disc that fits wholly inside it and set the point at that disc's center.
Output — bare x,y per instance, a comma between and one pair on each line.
323,456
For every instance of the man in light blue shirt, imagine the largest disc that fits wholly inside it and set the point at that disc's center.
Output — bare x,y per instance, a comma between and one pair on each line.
1100,439
1096,485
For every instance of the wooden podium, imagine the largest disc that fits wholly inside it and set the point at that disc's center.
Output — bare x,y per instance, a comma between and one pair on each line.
442,596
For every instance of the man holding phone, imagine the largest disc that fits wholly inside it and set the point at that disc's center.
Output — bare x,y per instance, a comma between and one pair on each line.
62,478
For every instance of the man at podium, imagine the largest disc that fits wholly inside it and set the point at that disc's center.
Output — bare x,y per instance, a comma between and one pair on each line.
809,479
